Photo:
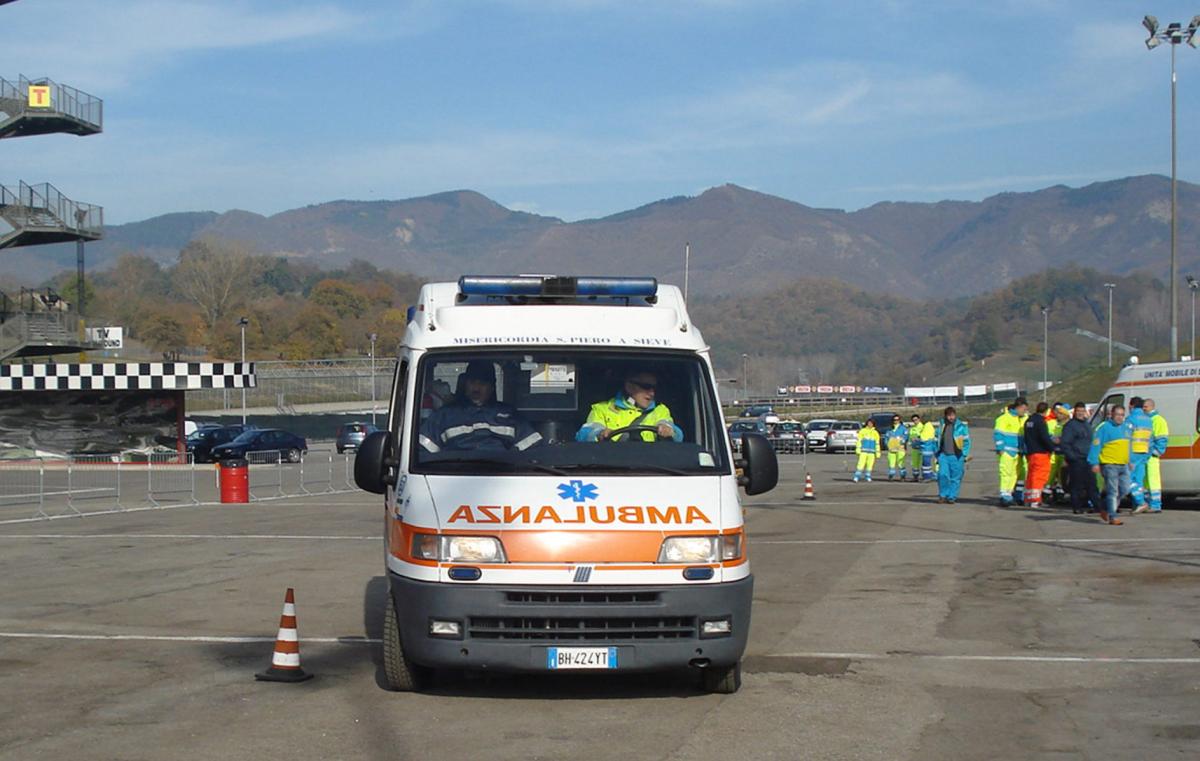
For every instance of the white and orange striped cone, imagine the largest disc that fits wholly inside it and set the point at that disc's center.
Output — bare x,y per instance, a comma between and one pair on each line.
808,487
285,661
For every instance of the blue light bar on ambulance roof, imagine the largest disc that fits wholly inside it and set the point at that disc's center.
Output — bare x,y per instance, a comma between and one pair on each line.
552,285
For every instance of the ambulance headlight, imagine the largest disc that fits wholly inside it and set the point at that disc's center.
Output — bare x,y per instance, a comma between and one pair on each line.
473,549
690,549
458,549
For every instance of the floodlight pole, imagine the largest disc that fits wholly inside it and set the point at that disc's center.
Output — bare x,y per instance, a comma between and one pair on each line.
1110,287
745,376
1174,193
1173,34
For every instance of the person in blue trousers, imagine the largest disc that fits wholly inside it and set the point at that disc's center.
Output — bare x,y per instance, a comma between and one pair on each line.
1140,445
953,442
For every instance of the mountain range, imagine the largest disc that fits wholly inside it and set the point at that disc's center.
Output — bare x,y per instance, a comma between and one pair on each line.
740,239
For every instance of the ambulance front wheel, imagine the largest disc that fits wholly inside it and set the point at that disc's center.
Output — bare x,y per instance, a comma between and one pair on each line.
722,681
401,674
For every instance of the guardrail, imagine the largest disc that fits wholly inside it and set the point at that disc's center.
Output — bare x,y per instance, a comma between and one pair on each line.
94,484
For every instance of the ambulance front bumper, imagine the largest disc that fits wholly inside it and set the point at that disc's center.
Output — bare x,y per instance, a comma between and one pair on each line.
512,629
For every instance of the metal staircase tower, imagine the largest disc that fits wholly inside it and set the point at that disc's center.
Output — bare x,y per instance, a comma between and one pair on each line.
37,214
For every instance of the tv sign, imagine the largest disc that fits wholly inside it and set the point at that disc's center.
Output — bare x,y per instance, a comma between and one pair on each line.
108,338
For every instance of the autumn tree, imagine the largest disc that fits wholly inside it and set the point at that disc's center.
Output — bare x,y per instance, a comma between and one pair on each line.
216,276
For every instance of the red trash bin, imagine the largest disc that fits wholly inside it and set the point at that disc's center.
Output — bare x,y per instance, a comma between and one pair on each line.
234,477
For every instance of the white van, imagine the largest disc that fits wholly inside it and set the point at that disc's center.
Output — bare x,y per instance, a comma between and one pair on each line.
1175,389
519,540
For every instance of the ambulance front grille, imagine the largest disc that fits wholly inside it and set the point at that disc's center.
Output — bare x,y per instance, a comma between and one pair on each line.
581,598
591,629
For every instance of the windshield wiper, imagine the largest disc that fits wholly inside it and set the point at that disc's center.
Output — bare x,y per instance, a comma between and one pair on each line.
631,468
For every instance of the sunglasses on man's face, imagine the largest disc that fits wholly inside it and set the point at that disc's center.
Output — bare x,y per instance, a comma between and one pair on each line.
644,386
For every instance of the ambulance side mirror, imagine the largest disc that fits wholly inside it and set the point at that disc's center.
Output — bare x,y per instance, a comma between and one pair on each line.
760,467
375,462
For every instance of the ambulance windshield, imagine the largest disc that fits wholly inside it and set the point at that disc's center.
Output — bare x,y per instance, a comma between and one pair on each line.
567,411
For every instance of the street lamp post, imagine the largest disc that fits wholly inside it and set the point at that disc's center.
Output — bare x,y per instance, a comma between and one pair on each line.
745,376
1045,349
687,268
1110,287
1172,34
1193,284
373,337
242,323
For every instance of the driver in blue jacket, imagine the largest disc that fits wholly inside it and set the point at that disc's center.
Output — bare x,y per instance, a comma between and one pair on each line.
475,420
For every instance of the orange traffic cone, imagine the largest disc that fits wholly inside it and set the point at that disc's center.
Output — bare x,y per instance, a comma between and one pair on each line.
808,487
285,661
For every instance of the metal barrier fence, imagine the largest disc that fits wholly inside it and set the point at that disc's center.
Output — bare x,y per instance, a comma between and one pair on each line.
171,478
93,483
23,483
45,488
266,475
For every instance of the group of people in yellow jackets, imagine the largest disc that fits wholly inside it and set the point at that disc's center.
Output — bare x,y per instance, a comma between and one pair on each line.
908,446
943,448
1030,461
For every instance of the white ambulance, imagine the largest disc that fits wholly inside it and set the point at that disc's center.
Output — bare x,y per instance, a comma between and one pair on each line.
1175,389
521,539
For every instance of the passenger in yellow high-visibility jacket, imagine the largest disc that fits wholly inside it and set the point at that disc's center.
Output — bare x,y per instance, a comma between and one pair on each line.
867,450
1007,435
635,407
1159,436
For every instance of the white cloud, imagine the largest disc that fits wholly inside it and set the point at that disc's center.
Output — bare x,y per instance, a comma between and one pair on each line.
106,46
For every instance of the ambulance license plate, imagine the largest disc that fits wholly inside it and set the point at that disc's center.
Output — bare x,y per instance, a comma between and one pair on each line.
581,658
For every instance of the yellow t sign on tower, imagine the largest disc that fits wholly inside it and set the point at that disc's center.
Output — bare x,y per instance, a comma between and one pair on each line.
39,96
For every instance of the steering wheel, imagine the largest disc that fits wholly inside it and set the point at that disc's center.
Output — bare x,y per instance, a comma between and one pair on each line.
632,429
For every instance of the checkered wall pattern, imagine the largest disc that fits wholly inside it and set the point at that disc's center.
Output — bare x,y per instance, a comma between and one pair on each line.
126,376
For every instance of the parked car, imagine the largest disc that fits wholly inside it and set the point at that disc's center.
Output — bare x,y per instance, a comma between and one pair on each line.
883,421
789,436
843,436
201,442
289,445
757,410
350,435
816,432
742,427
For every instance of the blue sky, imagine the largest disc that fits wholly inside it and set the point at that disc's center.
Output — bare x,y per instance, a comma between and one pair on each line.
581,108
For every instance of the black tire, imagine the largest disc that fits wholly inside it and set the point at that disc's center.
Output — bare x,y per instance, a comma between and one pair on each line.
293,455
401,674
722,681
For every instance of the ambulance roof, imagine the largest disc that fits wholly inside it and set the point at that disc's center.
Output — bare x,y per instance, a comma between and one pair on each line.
458,315
1159,372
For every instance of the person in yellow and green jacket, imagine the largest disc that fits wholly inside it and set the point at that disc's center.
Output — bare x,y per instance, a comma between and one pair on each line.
1159,437
1007,435
894,441
634,406
915,426
928,451
1062,414
867,450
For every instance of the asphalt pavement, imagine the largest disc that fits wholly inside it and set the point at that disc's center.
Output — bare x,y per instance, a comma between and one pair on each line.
886,626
